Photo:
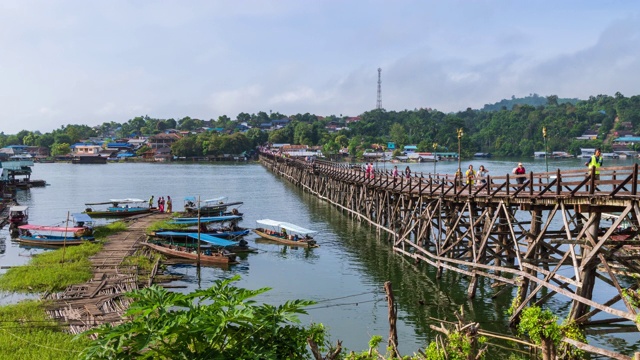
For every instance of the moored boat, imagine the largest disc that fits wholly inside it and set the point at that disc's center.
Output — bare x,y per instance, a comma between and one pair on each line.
118,208
208,254
211,207
225,226
40,235
190,240
286,233
18,215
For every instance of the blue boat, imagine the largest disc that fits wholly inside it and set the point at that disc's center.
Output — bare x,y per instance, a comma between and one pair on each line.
190,240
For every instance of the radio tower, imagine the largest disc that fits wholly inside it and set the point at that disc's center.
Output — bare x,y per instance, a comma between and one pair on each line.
379,103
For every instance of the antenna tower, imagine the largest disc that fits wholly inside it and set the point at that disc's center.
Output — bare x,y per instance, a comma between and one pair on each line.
379,103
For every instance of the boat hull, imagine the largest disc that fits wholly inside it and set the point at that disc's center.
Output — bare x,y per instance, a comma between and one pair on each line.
214,258
118,213
301,242
230,235
50,240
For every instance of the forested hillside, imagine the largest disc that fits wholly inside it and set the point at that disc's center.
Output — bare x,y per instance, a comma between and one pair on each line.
515,132
533,100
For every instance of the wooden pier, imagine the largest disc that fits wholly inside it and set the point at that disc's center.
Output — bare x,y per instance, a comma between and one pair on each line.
100,300
545,235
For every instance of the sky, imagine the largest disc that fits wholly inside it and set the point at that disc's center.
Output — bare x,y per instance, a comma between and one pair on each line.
90,62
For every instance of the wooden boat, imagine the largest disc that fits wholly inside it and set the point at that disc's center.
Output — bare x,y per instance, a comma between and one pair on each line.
210,207
117,209
208,255
39,235
18,215
285,233
190,240
227,226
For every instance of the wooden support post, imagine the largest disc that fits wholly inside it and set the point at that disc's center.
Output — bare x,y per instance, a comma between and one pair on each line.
393,316
588,274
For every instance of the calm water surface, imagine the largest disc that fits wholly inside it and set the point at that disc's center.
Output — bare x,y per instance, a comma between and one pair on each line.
345,275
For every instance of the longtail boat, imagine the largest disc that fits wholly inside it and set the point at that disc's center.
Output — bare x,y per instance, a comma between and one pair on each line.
209,254
190,240
39,235
210,207
118,208
286,233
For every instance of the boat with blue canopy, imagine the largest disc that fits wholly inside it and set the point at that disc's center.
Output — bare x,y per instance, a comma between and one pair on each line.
185,246
118,208
225,227
190,239
286,233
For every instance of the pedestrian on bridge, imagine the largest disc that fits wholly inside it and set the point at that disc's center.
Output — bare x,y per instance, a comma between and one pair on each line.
520,173
595,162
470,174
481,175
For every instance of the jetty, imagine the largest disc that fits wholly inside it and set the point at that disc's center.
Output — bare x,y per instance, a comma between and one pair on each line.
101,299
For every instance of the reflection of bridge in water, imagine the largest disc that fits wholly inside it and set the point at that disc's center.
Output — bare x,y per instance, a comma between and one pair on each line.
546,236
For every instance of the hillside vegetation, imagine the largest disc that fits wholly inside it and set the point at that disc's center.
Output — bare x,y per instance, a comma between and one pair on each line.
515,129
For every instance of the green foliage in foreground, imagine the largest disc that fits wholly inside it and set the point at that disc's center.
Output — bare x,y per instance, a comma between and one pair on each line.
27,333
48,272
222,322
102,232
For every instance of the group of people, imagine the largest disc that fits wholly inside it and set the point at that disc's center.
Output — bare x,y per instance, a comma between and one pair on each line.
476,177
161,204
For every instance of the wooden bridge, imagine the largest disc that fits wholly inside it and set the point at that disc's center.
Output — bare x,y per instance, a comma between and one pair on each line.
568,234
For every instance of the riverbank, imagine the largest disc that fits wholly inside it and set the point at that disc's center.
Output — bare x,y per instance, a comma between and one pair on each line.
98,273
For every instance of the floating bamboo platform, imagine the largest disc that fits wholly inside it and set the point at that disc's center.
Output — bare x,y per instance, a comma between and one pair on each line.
101,300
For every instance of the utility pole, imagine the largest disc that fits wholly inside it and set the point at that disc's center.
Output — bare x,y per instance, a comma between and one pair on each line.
379,103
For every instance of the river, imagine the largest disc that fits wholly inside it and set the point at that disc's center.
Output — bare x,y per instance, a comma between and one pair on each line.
345,275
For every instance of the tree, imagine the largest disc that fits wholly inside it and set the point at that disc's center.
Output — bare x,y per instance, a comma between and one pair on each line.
222,322
186,147
256,137
60,149
398,134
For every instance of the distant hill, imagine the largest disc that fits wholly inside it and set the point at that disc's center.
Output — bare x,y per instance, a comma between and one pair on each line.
533,100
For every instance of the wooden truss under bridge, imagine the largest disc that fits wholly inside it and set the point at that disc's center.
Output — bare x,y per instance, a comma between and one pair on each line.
555,234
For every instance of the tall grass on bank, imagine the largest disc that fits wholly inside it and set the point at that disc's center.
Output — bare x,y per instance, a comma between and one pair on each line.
48,272
27,333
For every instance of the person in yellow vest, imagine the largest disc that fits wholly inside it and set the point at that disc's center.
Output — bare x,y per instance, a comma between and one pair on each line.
595,162
470,174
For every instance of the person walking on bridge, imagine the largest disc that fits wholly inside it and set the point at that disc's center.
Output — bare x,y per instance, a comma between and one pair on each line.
595,162
520,173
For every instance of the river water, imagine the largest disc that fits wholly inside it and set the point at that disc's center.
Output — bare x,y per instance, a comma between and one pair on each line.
345,275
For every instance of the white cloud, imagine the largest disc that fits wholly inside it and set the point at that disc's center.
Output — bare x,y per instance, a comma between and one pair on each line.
67,61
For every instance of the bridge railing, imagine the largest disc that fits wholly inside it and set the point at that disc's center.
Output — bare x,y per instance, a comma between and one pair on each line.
611,181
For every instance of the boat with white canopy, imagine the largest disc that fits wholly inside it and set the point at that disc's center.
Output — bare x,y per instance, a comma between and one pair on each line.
286,233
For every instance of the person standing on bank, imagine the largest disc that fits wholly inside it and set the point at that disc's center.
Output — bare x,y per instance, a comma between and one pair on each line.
151,202
595,162
520,171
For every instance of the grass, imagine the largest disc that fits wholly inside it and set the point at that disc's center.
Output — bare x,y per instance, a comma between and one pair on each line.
48,272
27,333
102,232
165,224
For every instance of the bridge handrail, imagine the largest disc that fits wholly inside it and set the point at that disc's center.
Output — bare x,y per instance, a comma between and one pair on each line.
616,181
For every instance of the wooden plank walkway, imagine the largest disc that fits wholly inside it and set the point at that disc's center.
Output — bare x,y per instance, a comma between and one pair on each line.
101,300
